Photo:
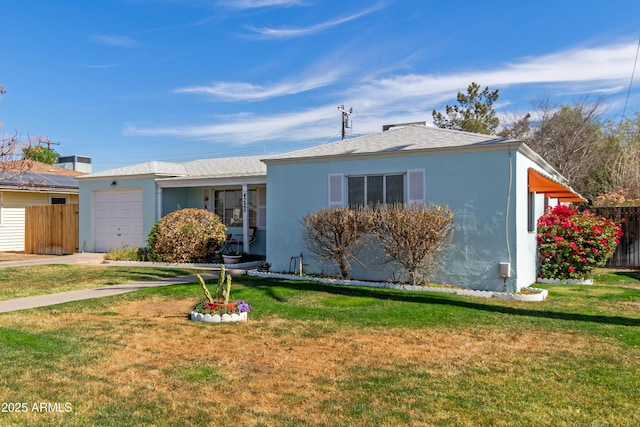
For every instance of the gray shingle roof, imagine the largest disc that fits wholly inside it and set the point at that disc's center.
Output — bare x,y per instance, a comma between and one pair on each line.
409,138
207,168
226,167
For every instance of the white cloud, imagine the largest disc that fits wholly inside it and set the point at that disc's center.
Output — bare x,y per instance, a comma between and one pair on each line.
411,97
239,91
304,31
247,128
252,4
114,40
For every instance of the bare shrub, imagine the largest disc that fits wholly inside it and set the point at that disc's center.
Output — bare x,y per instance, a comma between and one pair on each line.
336,235
414,238
186,235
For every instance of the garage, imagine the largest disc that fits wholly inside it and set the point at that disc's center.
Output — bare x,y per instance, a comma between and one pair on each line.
117,219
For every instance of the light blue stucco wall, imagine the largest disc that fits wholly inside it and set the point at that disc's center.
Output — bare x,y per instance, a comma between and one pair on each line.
475,186
172,199
527,254
87,189
180,198
486,190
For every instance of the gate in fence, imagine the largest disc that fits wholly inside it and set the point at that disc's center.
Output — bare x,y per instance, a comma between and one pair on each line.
628,253
51,229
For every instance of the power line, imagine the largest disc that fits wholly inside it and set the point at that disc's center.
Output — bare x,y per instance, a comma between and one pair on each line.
624,111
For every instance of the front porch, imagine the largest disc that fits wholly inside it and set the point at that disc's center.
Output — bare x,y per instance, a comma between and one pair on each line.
242,207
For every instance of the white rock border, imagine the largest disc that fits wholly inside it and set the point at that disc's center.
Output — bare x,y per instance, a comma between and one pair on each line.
216,318
564,281
238,266
536,295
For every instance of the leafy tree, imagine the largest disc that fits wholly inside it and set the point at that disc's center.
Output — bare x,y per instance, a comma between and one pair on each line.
475,112
40,154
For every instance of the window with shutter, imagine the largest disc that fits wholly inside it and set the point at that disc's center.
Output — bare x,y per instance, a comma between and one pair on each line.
336,190
416,182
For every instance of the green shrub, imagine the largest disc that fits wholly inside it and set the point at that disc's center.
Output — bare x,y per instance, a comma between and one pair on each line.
186,235
126,253
571,244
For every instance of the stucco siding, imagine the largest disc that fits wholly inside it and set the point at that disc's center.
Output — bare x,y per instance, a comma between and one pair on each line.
474,185
527,245
88,189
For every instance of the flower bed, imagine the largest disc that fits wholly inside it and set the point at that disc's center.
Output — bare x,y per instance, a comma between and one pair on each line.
220,309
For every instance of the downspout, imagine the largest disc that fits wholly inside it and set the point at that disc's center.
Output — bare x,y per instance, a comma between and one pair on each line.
508,213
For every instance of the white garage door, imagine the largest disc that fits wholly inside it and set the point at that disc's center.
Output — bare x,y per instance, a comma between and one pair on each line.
118,219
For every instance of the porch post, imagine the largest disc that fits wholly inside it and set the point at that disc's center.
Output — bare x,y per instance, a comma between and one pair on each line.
158,202
245,218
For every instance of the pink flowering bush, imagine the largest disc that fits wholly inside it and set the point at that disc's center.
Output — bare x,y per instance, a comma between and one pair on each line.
572,243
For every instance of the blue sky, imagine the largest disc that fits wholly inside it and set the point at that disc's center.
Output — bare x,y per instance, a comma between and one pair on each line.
128,81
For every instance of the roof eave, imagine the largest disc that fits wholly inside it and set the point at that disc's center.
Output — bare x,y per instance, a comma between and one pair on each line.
469,148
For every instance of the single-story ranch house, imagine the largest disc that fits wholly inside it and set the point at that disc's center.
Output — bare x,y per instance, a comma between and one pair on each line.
496,188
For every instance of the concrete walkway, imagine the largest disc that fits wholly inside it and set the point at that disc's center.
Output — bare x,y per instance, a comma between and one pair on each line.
84,258
106,291
63,297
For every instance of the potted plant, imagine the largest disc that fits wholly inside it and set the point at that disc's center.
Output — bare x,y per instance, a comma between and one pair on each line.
231,258
219,308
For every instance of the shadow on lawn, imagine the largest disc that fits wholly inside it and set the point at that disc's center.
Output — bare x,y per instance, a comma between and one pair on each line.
432,298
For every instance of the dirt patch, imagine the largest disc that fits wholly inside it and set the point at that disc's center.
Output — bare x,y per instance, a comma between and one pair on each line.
149,350
20,256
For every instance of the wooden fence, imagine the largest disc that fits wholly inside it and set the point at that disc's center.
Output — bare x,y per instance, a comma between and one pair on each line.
628,253
51,229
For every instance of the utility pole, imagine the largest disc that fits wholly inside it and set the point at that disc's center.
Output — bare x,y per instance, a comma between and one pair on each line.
346,118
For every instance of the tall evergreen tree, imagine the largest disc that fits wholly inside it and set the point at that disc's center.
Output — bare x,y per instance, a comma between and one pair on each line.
474,113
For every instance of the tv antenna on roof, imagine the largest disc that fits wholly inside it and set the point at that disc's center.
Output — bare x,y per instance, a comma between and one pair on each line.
346,118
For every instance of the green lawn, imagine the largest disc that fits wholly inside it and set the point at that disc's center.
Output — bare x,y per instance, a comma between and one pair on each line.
18,282
324,355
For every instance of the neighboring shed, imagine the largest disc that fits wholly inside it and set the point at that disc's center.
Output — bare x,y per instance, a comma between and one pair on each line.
39,184
494,186
120,206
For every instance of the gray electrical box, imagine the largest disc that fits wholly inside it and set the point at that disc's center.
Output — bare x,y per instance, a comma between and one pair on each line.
505,270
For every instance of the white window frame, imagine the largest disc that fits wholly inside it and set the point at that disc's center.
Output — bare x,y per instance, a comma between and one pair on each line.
1,208
384,186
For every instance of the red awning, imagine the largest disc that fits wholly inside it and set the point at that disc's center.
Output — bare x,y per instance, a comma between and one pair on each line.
552,189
